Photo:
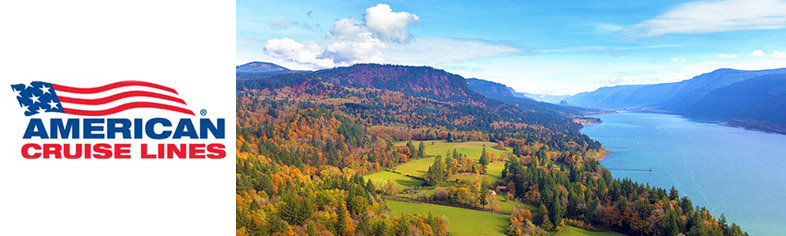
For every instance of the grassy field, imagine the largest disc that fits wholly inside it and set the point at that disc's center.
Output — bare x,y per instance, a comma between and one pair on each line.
573,231
507,206
460,221
401,182
472,149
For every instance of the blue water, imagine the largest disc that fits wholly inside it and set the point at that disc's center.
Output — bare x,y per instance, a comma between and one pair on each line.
734,171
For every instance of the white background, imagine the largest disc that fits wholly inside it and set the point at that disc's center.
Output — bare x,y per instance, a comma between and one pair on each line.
186,45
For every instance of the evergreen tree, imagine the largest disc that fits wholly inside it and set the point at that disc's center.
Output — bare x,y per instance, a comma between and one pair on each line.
412,151
546,223
341,223
673,194
484,159
421,150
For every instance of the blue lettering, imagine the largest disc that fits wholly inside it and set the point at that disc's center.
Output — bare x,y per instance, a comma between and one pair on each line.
205,125
150,128
92,128
112,128
185,128
69,130
35,129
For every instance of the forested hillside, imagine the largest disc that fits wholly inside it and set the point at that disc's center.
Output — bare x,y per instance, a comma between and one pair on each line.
707,95
756,103
305,140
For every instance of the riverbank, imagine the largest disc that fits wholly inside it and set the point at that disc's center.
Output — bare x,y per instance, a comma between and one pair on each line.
730,171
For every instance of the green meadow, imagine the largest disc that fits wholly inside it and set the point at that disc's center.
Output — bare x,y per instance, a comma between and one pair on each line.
573,231
473,149
460,221
401,182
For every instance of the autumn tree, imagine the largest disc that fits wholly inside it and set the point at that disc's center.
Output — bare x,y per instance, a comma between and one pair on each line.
412,151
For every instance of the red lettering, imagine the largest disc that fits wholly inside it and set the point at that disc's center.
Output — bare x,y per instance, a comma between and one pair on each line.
122,151
145,155
196,151
216,151
26,151
102,151
52,149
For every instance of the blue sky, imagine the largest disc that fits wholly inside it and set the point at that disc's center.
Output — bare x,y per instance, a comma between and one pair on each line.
545,47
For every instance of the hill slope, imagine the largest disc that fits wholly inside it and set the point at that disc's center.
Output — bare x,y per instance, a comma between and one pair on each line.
760,101
722,94
306,140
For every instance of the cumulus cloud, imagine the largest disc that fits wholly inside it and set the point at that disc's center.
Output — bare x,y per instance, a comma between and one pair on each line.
381,36
758,53
389,25
779,54
677,59
307,52
714,16
724,55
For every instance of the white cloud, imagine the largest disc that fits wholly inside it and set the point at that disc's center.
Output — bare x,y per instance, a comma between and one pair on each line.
307,52
356,43
389,25
381,37
714,16
758,53
347,29
677,59
724,55
779,54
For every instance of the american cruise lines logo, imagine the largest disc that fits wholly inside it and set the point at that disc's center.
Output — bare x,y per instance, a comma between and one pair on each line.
93,123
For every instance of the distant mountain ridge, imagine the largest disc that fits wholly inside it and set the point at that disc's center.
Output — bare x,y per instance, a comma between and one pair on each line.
414,80
442,88
726,94
258,69
506,94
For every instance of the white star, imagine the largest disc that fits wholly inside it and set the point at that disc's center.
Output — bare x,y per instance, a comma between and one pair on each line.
27,85
41,110
35,99
44,89
26,108
52,104
16,92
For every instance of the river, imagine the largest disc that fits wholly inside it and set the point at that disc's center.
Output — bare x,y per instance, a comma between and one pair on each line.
738,172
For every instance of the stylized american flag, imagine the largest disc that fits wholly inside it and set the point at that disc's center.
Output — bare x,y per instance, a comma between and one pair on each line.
39,97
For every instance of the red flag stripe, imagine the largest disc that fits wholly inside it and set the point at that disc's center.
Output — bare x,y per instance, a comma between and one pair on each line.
127,106
69,89
115,97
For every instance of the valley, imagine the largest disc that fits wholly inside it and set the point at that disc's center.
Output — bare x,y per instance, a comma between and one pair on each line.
371,149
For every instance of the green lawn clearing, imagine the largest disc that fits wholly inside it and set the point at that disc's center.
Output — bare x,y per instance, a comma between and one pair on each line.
573,231
460,221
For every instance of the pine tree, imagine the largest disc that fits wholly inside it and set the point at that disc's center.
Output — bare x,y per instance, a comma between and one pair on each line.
546,223
412,150
341,223
421,150
484,159
673,194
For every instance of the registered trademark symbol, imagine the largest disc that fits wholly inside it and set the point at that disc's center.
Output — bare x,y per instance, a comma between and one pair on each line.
203,112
